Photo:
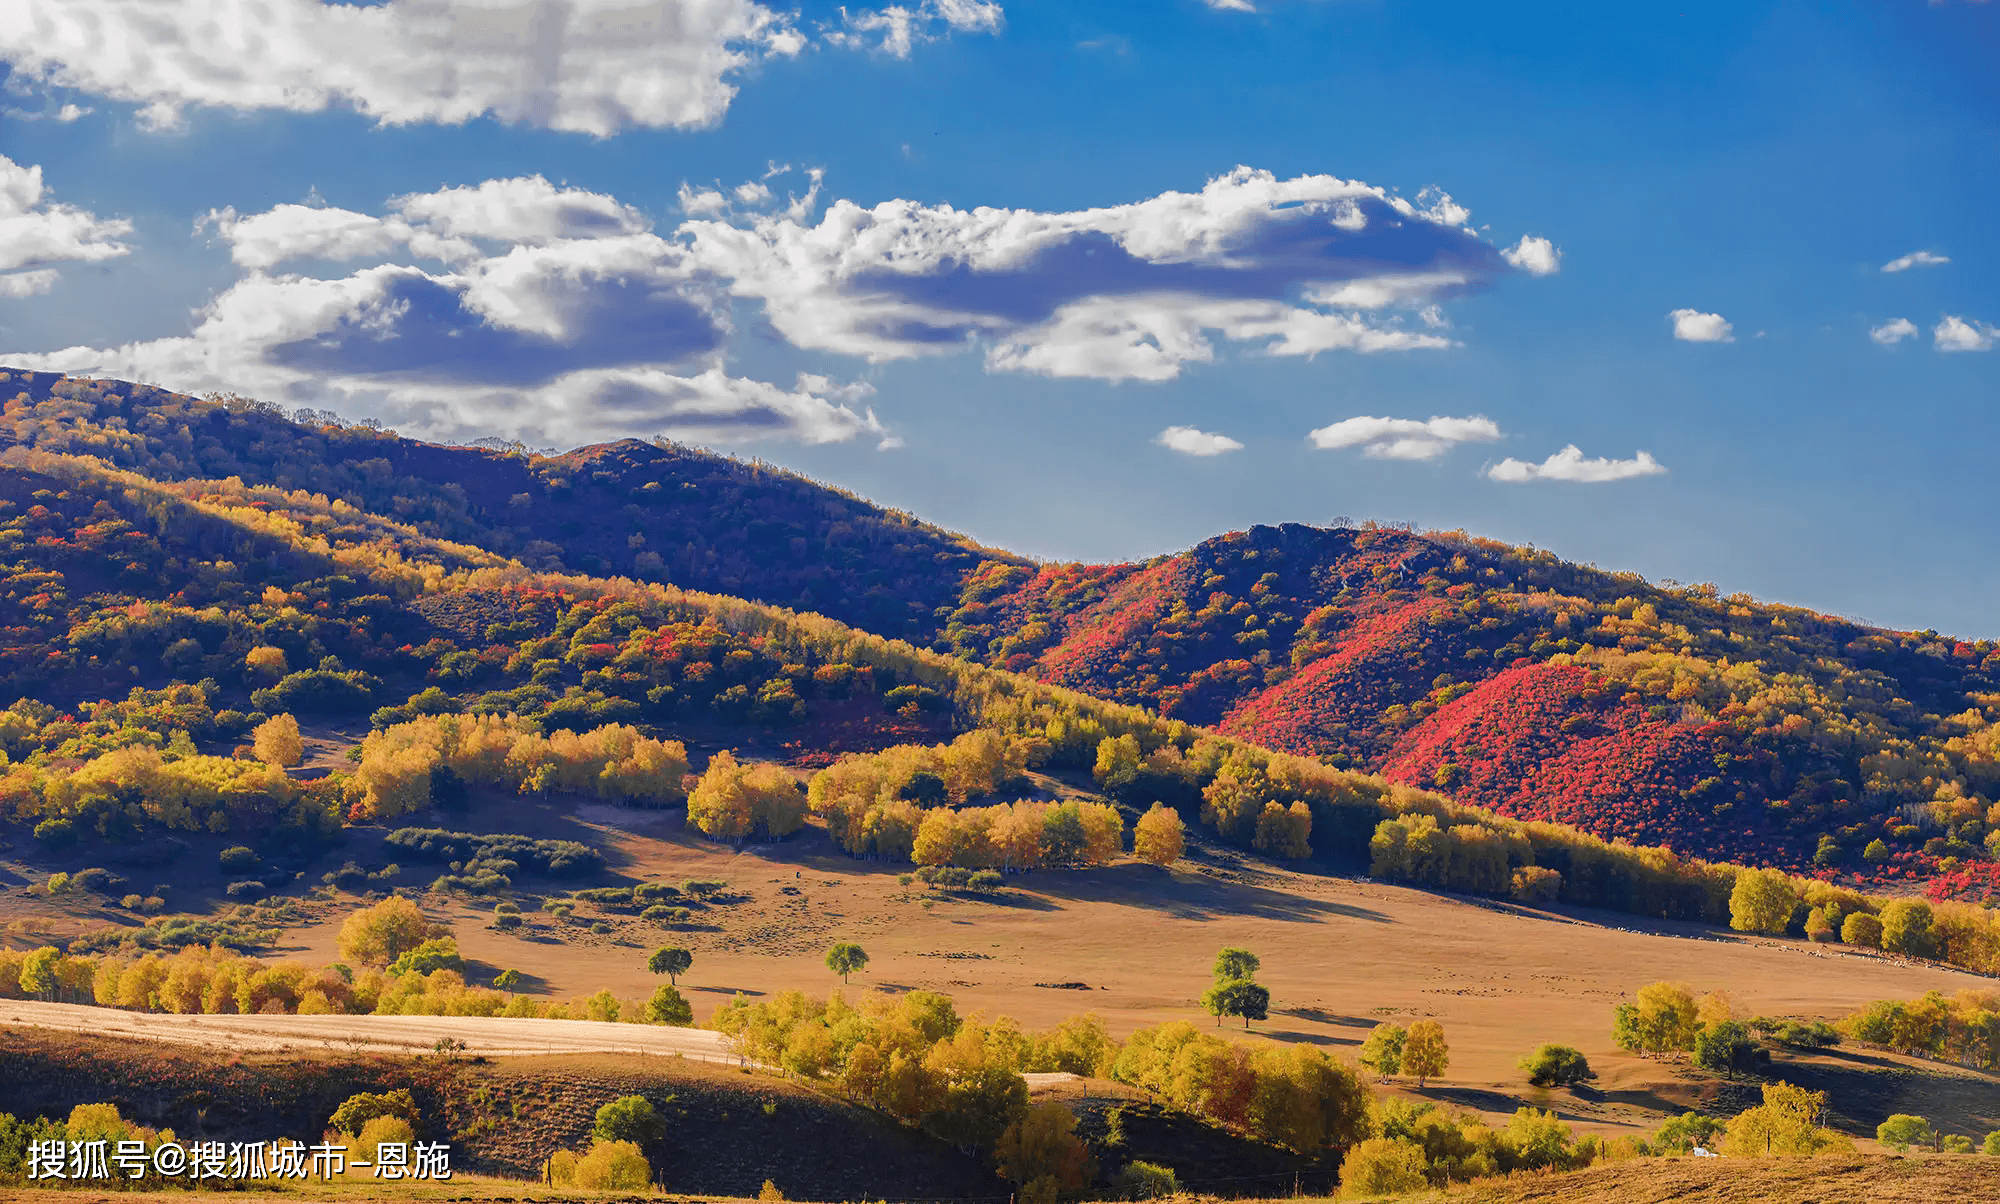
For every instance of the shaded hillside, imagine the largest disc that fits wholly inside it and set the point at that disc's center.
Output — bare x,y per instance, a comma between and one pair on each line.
1541,689
654,511
728,1131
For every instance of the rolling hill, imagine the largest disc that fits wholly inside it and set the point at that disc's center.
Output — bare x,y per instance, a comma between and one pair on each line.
1502,676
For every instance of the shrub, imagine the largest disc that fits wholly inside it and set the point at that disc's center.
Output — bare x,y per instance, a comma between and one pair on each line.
246,890
357,1110
1862,929
238,858
658,913
1992,1145
1726,1048
507,920
1146,1181
1901,1131
610,1165
1555,1066
629,1118
1382,1167
383,1129
669,1006
1956,1143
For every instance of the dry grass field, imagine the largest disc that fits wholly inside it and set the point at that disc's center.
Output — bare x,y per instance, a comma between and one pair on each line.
1133,944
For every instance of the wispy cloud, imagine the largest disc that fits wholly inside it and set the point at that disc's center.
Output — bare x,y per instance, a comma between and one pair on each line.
896,29
1569,464
1894,331
1192,442
1404,438
1915,259
1694,326
1963,334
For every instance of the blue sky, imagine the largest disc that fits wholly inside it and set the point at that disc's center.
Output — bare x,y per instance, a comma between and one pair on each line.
453,217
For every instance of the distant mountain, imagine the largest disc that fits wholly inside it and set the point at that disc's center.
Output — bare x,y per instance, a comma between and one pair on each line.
1506,677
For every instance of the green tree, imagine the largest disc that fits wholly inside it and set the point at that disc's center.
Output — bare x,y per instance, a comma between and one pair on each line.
1425,1053
1861,930
1117,764
1555,1066
1724,1047
845,957
1382,1052
1762,901
1231,964
1876,852
1992,1144
507,980
439,953
629,1118
668,1006
1906,927
670,960
1901,1131
1238,997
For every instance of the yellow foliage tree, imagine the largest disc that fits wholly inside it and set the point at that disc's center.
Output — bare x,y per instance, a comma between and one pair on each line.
378,935
276,741
1158,837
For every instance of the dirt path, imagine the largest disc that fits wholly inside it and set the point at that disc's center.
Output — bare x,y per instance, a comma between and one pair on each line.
380,1034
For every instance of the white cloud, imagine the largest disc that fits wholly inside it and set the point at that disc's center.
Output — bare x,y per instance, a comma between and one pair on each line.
1570,465
1192,442
27,284
590,66
557,315
1915,259
1404,438
1234,6
443,303
1535,256
1124,292
450,224
1894,331
71,112
895,29
1961,334
36,232
1693,326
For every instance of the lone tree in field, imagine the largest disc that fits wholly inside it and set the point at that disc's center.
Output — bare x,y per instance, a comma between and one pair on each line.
1425,1053
1382,1052
672,961
1238,997
1232,964
845,958
508,980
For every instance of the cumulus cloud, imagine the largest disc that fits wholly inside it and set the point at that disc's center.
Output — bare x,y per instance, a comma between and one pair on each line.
1915,259
36,232
1569,464
1192,442
1962,334
443,303
1693,326
1535,256
590,66
1124,292
895,29
1894,331
553,312
1405,438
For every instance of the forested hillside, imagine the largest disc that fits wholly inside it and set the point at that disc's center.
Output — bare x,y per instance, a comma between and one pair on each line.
653,511
1503,677
1544,690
